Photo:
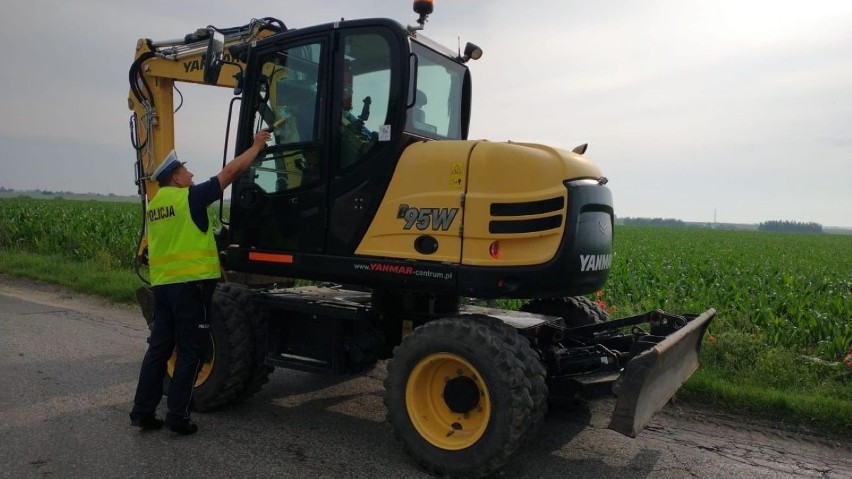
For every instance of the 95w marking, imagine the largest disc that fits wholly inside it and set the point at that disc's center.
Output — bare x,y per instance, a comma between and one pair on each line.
422,218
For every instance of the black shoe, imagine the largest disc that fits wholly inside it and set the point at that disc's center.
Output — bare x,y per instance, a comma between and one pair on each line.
182,426
146,421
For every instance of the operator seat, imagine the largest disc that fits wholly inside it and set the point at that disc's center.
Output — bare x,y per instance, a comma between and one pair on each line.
417,117
418,114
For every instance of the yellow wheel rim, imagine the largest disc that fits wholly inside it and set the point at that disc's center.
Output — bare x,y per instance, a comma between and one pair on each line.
447,401
206,368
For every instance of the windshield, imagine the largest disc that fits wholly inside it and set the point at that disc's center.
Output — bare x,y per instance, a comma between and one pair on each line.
437,110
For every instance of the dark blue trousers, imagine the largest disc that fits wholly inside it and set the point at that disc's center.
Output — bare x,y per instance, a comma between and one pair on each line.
182,322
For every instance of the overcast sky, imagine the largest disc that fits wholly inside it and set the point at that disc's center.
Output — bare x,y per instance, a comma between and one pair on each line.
742,109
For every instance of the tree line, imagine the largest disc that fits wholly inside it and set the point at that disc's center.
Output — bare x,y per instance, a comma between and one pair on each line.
772,225
790,226
667,222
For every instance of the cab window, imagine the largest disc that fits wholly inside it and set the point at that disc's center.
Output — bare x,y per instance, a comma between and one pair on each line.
288,104
366,85
437,101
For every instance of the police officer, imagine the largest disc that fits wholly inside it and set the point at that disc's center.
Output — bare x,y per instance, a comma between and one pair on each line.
184,266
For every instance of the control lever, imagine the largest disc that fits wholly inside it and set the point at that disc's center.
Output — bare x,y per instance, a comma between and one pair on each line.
365,111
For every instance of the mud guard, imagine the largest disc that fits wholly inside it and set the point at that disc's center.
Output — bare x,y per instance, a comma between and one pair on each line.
653,376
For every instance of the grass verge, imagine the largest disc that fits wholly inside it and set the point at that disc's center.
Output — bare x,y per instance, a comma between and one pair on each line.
813,413
84,277
744,376
739,373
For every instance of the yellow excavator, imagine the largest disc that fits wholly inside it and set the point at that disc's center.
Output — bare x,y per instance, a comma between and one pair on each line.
402,232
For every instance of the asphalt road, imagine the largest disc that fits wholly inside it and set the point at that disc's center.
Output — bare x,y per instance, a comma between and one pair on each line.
68,367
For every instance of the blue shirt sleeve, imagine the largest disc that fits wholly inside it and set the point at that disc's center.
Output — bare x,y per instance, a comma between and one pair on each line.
200,197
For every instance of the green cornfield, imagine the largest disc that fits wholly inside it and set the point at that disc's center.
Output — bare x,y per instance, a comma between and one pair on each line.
87,230
102,231
786,289
790,290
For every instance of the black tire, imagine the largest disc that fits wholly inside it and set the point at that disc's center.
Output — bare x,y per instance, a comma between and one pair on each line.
575,310
458,395
537,375
258,370
224,374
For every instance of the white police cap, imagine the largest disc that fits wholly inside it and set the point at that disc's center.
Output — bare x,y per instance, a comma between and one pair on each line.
166,167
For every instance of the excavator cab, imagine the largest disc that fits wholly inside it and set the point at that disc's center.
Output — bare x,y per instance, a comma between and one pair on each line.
342,103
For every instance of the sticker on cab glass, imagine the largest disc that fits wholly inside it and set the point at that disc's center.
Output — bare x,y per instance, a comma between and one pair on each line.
384,133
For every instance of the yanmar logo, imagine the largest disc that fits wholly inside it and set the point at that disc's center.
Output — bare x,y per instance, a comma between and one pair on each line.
391,268
421,274
198,65
595,262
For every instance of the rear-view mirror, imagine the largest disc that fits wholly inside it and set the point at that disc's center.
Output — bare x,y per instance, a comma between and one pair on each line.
214,58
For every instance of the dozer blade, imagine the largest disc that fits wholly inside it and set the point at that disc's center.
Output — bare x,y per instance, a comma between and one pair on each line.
653,376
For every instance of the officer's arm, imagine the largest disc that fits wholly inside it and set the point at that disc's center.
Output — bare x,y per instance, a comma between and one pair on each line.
240,164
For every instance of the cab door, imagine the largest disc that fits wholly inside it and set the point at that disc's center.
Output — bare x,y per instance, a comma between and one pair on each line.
281,203
369,97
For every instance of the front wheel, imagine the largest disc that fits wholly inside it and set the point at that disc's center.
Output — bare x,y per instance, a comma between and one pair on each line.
458,396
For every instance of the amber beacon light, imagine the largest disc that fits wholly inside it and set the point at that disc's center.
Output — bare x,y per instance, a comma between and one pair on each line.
422,8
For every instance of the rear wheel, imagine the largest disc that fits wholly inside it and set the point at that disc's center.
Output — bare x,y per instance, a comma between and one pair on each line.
575,310
458,394
223,375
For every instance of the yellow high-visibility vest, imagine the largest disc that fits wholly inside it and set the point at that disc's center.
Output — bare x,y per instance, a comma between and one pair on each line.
177,250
